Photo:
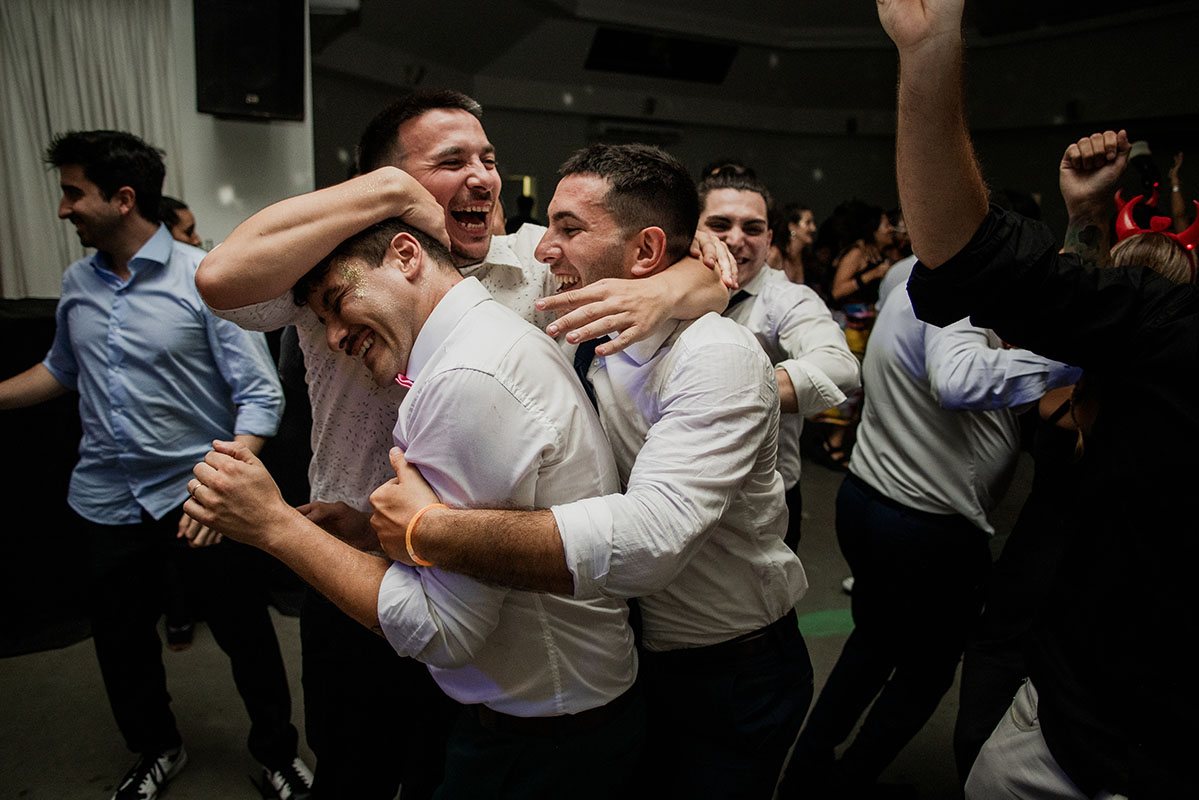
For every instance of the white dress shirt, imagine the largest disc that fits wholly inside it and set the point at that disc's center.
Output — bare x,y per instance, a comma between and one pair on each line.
352,418
496,418
898,274
938,431
798,334
692,416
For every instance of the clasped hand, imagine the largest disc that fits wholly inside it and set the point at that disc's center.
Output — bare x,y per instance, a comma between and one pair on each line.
234,494
396,503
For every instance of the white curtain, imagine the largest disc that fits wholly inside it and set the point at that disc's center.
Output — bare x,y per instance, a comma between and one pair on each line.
72,65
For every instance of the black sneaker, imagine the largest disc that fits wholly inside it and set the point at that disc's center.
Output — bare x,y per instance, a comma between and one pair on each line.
150,775
290,782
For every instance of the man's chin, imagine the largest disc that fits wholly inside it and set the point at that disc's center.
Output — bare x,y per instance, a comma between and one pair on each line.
471,251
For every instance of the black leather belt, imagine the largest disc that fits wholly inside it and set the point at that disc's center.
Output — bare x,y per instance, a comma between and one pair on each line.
560,725
744,646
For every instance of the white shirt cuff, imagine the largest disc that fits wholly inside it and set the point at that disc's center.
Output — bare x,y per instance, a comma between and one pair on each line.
586,530
404,611
813,392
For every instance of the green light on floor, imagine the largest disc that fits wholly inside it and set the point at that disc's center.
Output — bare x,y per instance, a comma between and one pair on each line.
838,622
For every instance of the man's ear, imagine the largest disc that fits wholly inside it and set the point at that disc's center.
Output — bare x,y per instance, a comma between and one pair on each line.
650,252
405,251
126,199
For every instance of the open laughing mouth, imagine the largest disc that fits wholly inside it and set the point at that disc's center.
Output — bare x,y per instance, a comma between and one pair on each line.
472,218
361,344
566,282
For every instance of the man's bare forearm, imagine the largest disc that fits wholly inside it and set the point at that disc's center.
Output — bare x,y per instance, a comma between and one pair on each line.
35,385
1087,237
350,578
269,252
521,549
941,189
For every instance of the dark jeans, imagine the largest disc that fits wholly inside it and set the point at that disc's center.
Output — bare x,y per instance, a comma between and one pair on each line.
127,565
721,723
491,763
373,719
918,586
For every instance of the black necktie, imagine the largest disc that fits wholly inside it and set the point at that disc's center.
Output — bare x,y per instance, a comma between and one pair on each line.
737,298
583,358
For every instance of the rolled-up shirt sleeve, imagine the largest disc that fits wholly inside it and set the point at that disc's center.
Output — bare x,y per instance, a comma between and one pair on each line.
715,409
244,361
438,618
60,360
821,368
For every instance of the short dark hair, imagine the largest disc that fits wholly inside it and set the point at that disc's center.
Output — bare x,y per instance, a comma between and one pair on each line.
380,144
112,159
168,210
741,179
370,245
646,186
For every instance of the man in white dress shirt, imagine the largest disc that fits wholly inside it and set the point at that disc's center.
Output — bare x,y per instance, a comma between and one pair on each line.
446,182
812,362
935,451
691,413
494,416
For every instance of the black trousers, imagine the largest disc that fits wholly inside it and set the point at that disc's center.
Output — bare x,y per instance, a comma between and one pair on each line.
127,568
919,581
373,719
491,759
722,717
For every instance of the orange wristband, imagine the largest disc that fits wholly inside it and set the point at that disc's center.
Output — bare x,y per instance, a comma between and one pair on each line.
412,527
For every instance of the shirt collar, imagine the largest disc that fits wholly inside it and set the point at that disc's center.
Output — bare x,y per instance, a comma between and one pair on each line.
154,253
462,297
499,254
641,352
754,287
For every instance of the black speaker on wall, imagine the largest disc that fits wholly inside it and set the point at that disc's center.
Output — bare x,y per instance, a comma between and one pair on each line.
250,58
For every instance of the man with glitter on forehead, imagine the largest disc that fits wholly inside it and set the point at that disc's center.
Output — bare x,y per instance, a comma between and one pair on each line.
544,679
435,137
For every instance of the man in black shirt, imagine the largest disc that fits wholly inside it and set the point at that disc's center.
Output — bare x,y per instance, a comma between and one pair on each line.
1114,688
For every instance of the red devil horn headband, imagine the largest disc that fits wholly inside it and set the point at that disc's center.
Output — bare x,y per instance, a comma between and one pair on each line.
1121,202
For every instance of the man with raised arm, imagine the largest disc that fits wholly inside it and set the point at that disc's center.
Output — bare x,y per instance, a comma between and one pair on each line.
425,158
692,416
1111,686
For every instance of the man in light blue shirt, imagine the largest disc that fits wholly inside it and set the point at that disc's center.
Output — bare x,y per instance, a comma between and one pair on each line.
159,377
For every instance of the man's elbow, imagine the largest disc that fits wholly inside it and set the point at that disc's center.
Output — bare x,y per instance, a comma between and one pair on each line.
214,281
849,377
